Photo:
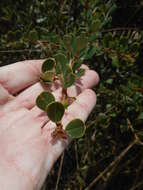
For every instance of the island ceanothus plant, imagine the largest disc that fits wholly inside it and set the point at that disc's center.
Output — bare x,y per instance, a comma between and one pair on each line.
65,66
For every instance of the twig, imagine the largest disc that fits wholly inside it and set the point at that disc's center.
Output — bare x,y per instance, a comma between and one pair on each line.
60,169
76,154
20,51
121,29
138,185
137,175
138,141
63,5
132,129
139,169
113,163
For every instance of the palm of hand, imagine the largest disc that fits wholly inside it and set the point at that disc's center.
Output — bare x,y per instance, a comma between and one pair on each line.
25,133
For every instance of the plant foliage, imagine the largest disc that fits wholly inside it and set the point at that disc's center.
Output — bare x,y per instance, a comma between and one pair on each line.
108,36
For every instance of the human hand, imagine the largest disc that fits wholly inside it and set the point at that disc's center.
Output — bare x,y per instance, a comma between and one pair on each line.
27,153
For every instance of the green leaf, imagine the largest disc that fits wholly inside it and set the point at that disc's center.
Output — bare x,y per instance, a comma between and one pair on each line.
112,9
74,45
61,62
140,117
109,81
18,34
91,52
33,35
115,61
113,115
92,37
107,39
67,40
76,65
95,26
65,103
55,111
75,128
79,73
82,55
68,80
44,99
81,42
135,46
48,76
48,64
68,77
11,36
123,128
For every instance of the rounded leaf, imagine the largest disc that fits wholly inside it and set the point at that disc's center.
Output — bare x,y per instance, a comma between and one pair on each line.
44,99
61,62
48,76
75,128
48,64
68,77
55,111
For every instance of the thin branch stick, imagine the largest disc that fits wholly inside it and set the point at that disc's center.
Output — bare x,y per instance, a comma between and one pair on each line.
20,51
76,154
63,5
134,132
113,163
137,175
138,142
138,185
121,29
60,169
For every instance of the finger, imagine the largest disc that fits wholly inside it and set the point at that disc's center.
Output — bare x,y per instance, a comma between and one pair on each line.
90,79
5,96
83,66
28,97
50,152
25,99
17,76
81,108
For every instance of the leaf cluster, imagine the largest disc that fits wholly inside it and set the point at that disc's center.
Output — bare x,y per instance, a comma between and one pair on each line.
55,112
65,65
41,29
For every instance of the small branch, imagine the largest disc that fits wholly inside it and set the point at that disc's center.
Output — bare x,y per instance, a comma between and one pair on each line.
120,29
112,164
137,175
138,141
20,51
75,57
59,172
138,185
76,154
63,5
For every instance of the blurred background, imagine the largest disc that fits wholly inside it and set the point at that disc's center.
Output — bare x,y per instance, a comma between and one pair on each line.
110,155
